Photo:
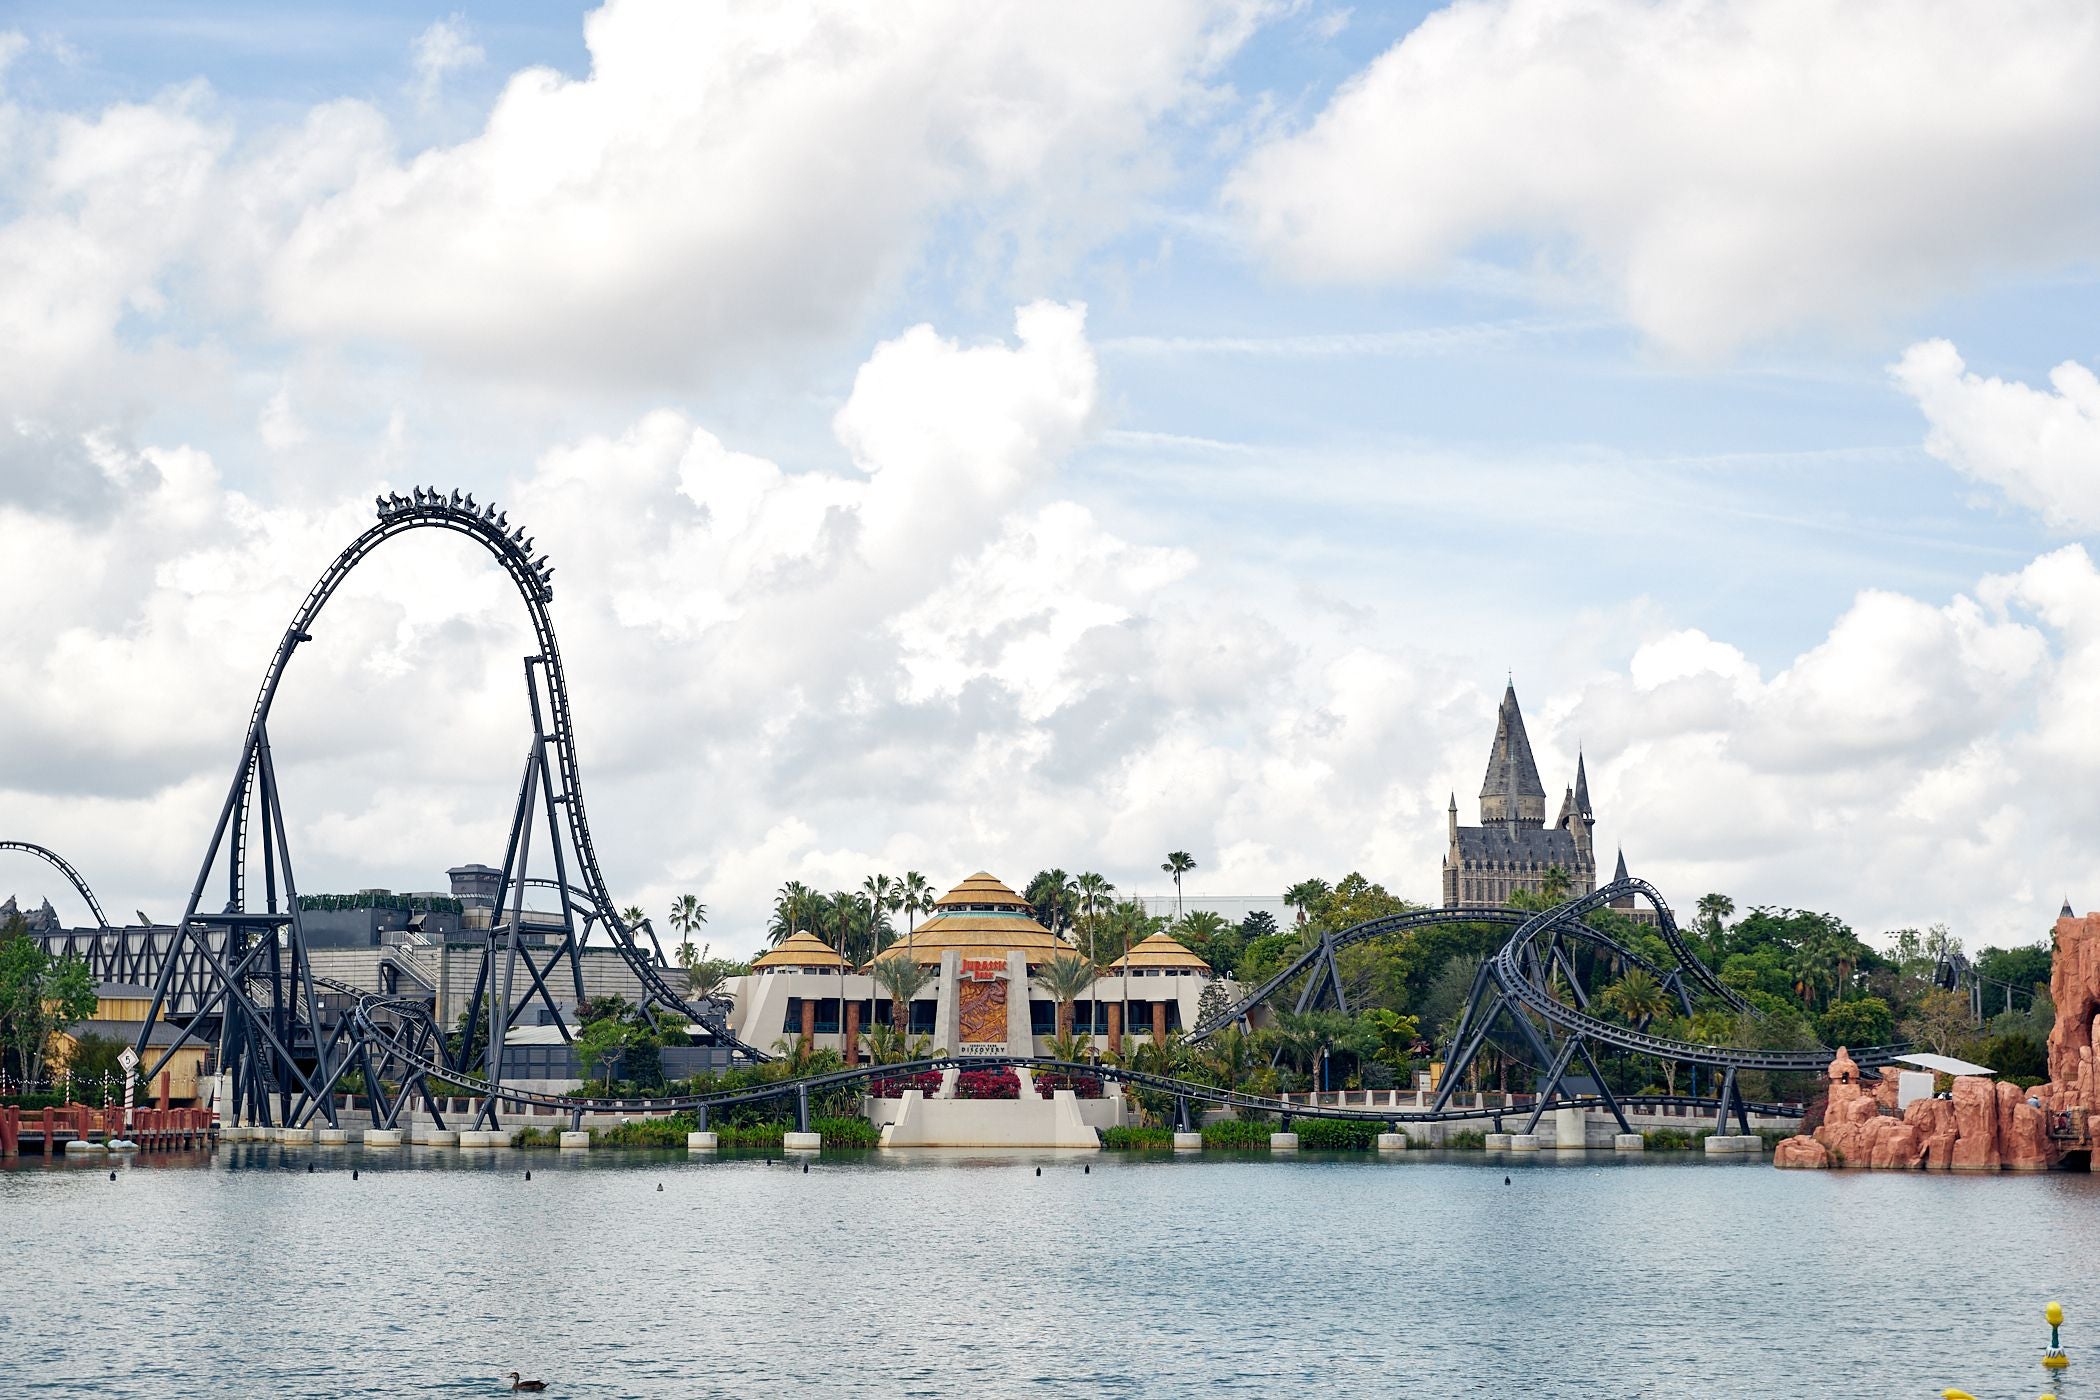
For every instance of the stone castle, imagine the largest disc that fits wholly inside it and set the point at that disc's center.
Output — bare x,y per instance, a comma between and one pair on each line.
1513,849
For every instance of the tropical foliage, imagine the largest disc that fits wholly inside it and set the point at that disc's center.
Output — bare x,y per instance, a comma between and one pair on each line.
39,995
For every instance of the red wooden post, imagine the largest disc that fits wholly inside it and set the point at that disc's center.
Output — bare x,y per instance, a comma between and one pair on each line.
165,1077
50,1131
852,1033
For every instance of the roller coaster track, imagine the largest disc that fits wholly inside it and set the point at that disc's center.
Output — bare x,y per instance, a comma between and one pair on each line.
373,1031
260,1030
59,863
1392,924
1519,971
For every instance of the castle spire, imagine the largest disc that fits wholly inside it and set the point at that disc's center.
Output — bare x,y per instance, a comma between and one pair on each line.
1511,794
1620,873
1582,788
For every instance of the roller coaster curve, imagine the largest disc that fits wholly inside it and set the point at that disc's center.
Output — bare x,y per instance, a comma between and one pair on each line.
64,868
263,1033
1518,979
402,1052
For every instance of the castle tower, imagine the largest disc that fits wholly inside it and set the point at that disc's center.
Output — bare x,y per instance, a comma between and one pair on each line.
1511,794
1513,848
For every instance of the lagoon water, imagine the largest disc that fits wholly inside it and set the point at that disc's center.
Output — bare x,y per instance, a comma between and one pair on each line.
965,1274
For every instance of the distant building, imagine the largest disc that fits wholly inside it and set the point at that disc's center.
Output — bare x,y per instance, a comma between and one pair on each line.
984,946
1513,849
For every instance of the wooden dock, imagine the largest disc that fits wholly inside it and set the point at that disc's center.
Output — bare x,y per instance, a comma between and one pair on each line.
47,1131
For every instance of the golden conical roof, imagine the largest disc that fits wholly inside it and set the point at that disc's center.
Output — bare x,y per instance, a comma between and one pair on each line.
800,950
982,918
1161,950
983,890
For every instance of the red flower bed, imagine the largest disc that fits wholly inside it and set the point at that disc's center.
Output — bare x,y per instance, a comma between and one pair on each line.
1085,1086
927,1082
1001,1083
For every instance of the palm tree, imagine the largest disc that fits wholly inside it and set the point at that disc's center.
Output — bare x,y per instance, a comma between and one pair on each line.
1051,894
918,899
1196,929
1713,909
1636,998
1064,977
704,975
1178,864
903,979
1305,894
1230,1057
1807,967
687,915
796,908
1555,884
1093,891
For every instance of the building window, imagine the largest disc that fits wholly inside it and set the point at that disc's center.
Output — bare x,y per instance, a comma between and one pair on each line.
1042,1017
923,1016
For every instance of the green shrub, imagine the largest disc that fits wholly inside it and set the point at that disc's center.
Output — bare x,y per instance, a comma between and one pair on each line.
750,1134
645,1132
536,1137
1667,1140
1339,1134
847,1132
2023,1059
1235,1132
1471,1140
1128,1137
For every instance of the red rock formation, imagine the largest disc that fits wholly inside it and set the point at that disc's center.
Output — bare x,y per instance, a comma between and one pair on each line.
1976,1120
2023,1136
2074,985
1849,1111
1934,1121
1843,1068
1800,1152
1894,1145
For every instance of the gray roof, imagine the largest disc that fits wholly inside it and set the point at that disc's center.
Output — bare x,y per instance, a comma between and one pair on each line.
1512,772
1582,787
128,1031
1524,844
1620,873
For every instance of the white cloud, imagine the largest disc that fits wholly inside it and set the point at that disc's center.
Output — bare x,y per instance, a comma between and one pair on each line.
767,686
1719,169
2042,449
728,177
443,49
104,203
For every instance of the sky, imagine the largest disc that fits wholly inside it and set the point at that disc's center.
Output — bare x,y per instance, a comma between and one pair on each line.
1009,437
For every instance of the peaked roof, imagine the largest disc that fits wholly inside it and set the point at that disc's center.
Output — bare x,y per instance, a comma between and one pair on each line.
1582,787
1162,950
802,949
981,918
2067,914
1620,873
983,889
1512,772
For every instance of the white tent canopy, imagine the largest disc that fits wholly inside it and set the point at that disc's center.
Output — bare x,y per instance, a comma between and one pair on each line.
1943,1064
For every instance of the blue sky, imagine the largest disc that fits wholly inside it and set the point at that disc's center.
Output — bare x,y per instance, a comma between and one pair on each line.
1420,346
